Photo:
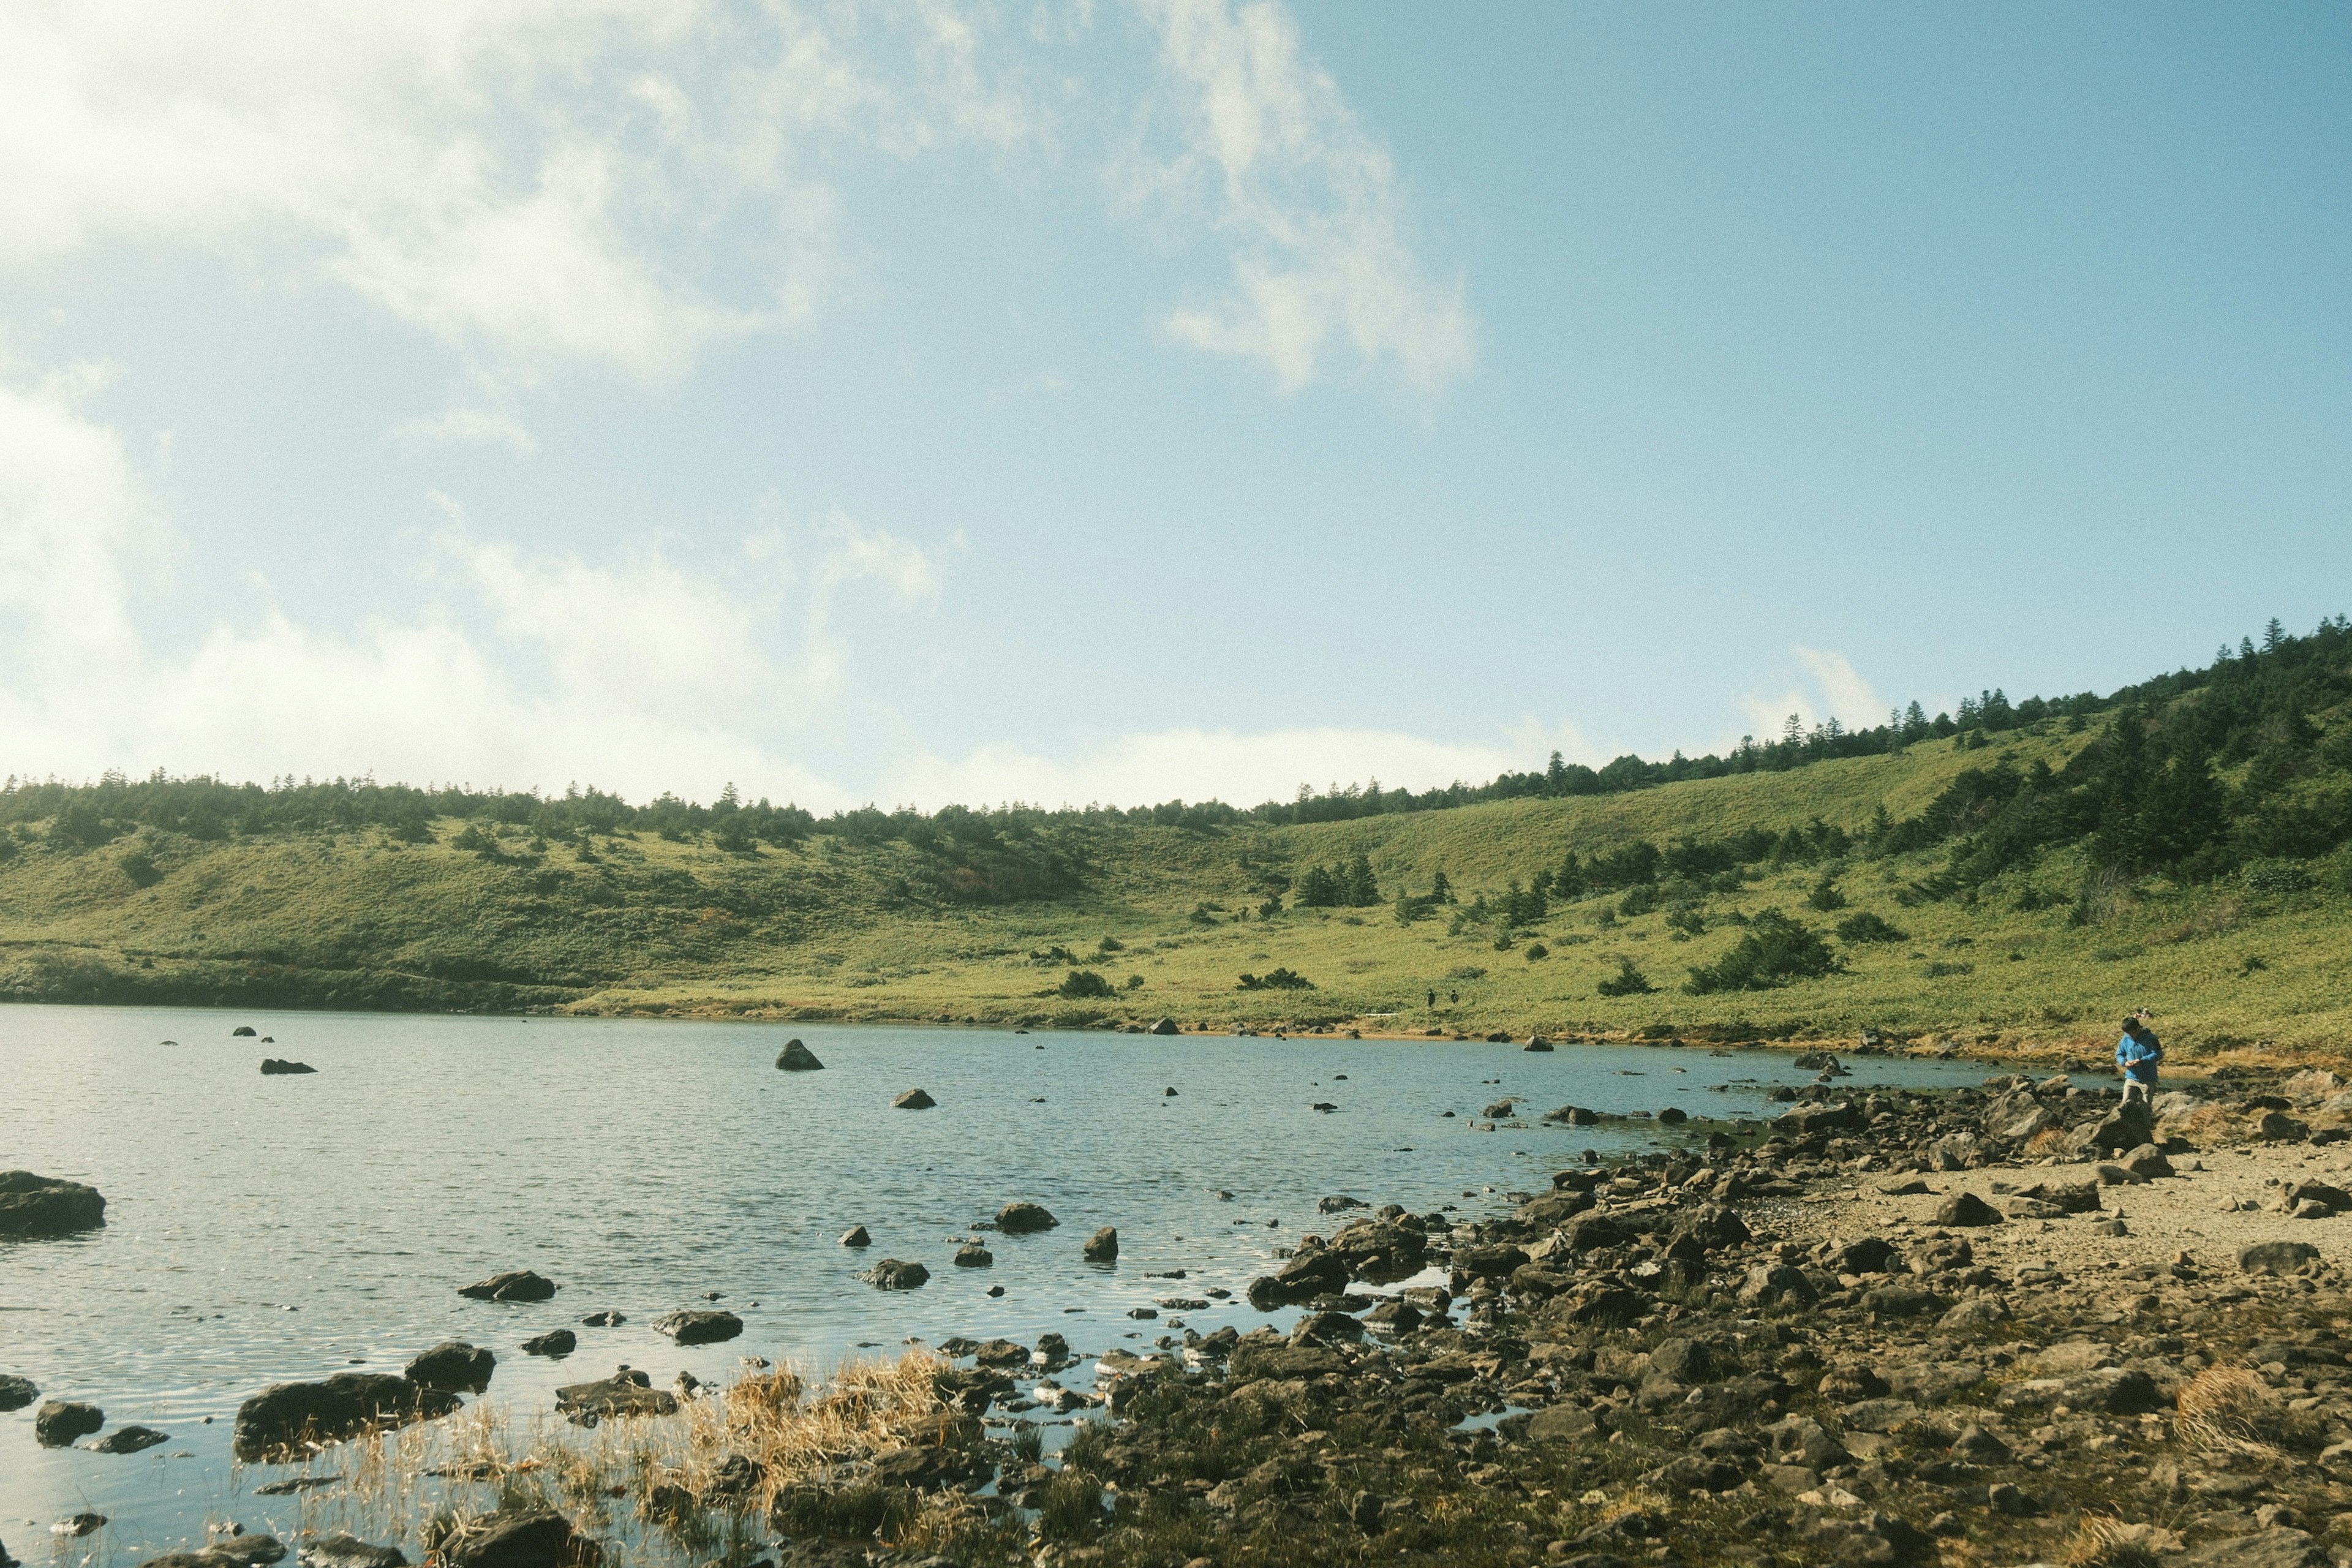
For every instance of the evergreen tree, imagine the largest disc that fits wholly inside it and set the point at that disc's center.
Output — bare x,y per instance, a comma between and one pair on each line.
1362,891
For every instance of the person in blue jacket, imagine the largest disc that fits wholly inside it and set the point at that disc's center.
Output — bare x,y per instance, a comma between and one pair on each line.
2138,1054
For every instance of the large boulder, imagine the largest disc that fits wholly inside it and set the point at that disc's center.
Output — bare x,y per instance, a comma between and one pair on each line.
623,1394
454,1365
1165,1026
1102,1246
797,1057
2127,1126
275,1066
1835,1116
15,1392
514,1285
696,1326
285,1416
914,1099
60,1420
47,1206
555,1342
1022,1218
1965,1208
525,1537
2277,1257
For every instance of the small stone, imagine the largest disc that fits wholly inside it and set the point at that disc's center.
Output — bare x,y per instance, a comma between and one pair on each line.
856,1237
896,1274
1965,1209
555,1342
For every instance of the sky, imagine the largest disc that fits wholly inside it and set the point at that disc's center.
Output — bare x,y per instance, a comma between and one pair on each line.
1137,399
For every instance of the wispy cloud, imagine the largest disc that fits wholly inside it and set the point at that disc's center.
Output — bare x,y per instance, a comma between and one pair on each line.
1308,200
1831,688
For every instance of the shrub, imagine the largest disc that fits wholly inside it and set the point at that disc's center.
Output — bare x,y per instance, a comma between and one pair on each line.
1777,950
1083,984
1627,981
1275,980
141,870
1135,983
1866,927
1537,949
1638,900
1055,954
1826,894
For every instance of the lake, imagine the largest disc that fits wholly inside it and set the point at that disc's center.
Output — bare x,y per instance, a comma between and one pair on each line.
262,1230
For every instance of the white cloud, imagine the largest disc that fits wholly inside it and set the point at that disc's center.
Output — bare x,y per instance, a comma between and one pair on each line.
1201,764
461,426
1308,200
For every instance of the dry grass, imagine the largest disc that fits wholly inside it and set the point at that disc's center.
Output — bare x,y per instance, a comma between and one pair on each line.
2228,1409
2103,1541
646,1483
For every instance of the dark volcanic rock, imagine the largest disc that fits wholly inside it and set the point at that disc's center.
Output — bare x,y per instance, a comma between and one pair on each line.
797,1057
60,1420
128,1441
521,1538
281,1418
453,1365
897,1274
1102,1246
696,1326
555,1342
1965,1209
623,1394
15,1392
340,1551
514,1285
1021,1218
274,1067
47,1206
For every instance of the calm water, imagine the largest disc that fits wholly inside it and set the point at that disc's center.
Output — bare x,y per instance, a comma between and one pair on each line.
262,1230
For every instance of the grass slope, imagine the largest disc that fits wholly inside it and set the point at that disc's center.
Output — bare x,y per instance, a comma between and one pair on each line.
830,930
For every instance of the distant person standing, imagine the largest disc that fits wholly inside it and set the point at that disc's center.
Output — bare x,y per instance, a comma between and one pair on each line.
2138,1054
1433,998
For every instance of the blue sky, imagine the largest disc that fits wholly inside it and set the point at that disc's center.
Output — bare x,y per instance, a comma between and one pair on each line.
925,402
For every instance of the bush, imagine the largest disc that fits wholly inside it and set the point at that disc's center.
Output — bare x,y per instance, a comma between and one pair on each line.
1538,950
1055,954
1135,983
141,870
1275,980
1627,981
1777,950
1866,927
1083,984
1826,894
1639,900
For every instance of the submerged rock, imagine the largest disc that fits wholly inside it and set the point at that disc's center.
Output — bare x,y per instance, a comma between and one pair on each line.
61,1421
971,1254
514,1285
913,1099
275,1066
1102,1246
341,1550
604,1319
1023,1218
699,1327
856,1237
452,1364
555,1342
284,1417
128,1441
896,1274
15,1392
797,1057
47,1206
623,1394
237,1551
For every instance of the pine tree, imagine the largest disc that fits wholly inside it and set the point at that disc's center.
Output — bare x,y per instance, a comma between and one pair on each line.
2273,636
1362,891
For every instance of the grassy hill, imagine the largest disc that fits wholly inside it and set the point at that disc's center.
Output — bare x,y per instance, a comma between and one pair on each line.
2044,953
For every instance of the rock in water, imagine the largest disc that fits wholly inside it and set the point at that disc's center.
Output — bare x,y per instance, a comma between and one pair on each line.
895,1274
856,1237
1536,1043
74,1524
1965,1209
555,1342
605,1319
1165,1026
514,1285
1102,1246
283,1416
15,1392
244,1032
45,1205
340,1551
519,1538
1022,1218
971,1254
238,1550
623,1394
128,1441
797,1057
59,1421
453,1365
698,1327
273,1066
913,1099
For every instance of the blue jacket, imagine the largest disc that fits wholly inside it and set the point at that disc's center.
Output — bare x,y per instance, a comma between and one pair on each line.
2139,1058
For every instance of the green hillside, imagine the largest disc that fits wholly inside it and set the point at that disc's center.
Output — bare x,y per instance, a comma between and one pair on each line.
2184,849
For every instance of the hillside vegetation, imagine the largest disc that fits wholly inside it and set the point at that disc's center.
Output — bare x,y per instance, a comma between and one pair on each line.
2024,880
